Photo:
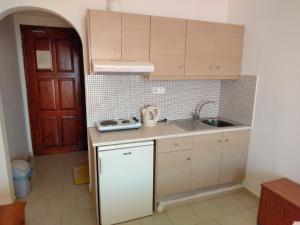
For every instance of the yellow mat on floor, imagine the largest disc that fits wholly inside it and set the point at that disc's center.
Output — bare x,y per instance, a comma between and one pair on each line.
81,174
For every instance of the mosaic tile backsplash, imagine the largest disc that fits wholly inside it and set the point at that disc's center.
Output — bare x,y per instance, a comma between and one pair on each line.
122,96
237,99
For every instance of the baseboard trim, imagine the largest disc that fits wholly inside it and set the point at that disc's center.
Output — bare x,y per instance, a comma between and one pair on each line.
203,196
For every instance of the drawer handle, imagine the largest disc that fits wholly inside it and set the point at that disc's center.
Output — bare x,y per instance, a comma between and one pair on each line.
226,140
127,153
176,144
219,141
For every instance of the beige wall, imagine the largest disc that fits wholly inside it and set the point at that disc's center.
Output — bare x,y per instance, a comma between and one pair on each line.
6,186
8,69
10,88
272,50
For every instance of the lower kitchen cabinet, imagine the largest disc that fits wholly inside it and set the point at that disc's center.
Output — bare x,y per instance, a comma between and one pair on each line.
234,156
173,172
206,160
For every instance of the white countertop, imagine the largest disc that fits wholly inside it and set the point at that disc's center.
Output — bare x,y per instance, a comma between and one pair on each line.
161,131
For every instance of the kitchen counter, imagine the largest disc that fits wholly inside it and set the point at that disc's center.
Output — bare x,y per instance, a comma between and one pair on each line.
161,131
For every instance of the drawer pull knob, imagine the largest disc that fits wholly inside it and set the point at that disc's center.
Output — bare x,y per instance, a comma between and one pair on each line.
226,140
219,141
188,158
176,144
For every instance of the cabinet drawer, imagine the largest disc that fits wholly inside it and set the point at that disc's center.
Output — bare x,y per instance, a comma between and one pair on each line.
174,144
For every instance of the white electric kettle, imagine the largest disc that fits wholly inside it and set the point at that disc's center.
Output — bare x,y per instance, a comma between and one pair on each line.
150,115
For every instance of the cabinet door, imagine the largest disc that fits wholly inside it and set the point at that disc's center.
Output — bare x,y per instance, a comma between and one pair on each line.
229,50
135,37
105,35
206,160
173,172
200,48
167,46
234,156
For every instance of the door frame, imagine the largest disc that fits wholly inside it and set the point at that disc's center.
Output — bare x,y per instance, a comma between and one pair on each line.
31,113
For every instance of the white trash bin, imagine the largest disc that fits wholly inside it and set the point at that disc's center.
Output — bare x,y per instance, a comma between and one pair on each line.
21,171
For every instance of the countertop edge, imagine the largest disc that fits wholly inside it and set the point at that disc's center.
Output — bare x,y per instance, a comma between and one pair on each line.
184,134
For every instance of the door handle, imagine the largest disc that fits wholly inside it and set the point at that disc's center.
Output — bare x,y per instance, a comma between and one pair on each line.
77,98
99,165
127,153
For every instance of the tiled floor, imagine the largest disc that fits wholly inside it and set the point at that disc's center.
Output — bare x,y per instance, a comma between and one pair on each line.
55,200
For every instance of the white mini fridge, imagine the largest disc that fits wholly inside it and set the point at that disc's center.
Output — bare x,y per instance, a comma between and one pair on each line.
125,175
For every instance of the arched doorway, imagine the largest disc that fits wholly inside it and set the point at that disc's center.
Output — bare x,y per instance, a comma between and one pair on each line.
19,89
52,134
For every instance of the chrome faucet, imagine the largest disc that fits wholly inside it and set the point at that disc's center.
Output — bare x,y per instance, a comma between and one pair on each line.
197,113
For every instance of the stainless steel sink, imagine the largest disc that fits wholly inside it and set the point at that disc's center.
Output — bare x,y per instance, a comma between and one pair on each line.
217,123
194,125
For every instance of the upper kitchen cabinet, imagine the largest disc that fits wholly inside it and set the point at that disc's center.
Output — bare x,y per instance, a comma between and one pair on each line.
118,36
229,50
167,47
135,37
213,50
179,49
200,48
105,35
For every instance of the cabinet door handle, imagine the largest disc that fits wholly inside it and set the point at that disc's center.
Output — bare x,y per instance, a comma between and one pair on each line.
226,140
126,50
176,144
218,66
282,211
219,141
188,158
116,49
210,67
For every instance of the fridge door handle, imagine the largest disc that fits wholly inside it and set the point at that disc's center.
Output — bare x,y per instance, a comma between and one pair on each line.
99,164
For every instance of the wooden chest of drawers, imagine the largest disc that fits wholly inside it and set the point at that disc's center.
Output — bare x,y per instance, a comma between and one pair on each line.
12,214
279,203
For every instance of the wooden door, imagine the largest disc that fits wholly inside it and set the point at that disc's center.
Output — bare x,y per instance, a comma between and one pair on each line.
206,160
105,35
167,46
54,76
229,50
234,156
201,49
173,172
135,37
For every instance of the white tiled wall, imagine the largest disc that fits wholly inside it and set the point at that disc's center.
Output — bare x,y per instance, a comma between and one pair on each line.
122,96
237,99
